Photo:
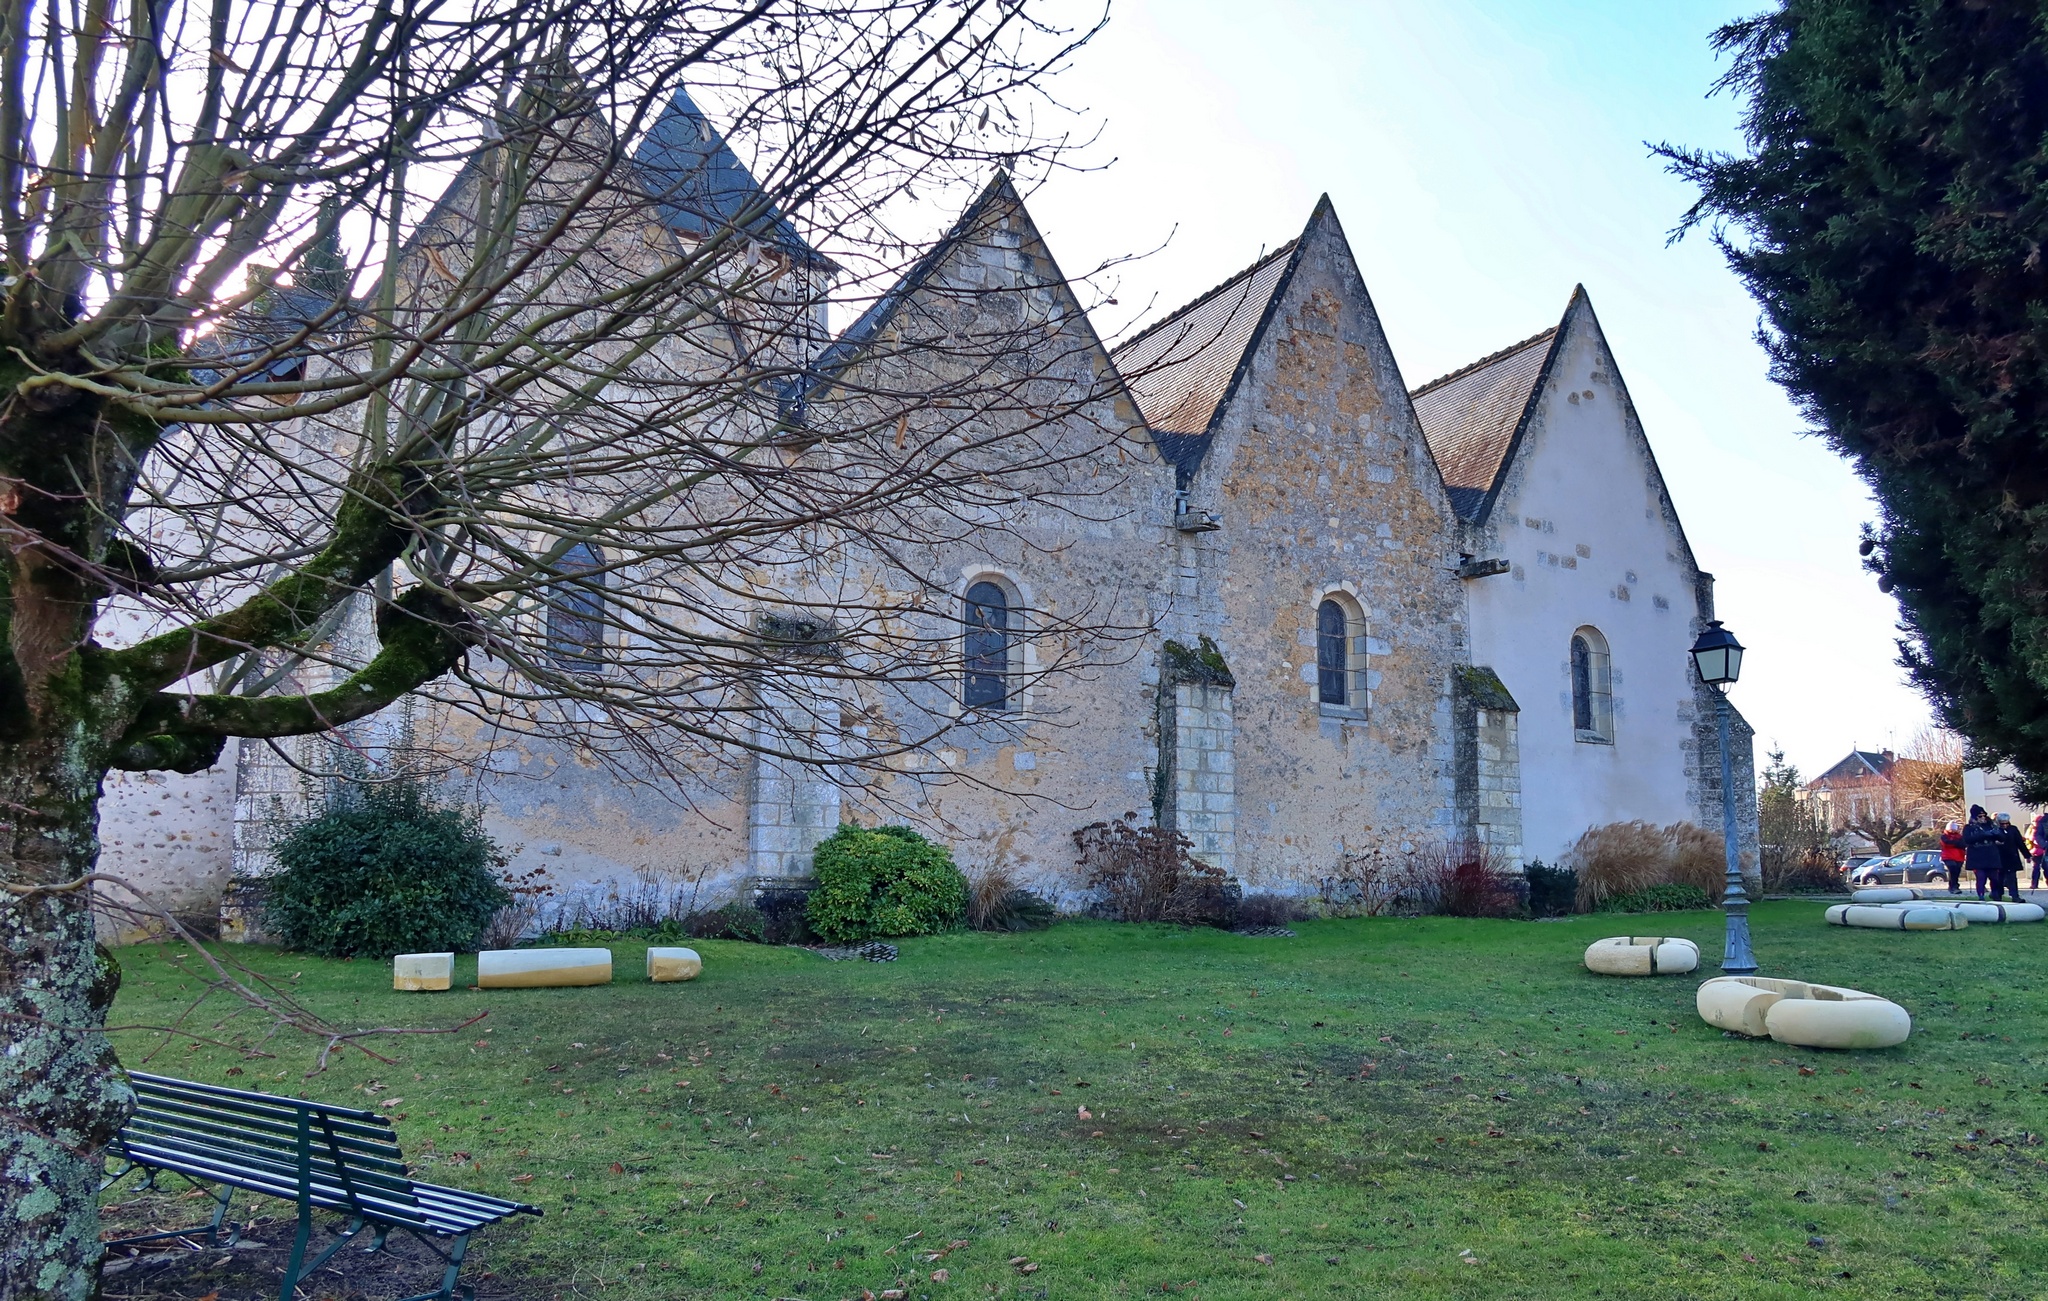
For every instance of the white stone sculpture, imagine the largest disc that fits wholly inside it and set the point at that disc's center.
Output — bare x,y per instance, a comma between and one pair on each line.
1983,910
1911,917
1807,1015
423,971
536,968
1642,955
665,964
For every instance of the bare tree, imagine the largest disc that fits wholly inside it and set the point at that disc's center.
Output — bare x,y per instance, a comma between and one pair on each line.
385,347
1929,775
1883,830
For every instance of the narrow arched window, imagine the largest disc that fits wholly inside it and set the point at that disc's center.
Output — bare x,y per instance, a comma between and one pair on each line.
1333,654
986,648
576,611
1592,689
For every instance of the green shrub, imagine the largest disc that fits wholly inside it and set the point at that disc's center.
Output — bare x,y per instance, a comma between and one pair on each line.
1552,890
1665,898
382,868
885,882
733,921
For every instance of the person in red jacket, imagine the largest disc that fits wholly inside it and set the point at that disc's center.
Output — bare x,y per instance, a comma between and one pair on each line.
2038,833
1952,856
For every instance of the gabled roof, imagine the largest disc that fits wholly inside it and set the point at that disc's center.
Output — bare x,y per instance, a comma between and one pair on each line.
1473,417
1183,369
1858,763
796,394
701,187
855,339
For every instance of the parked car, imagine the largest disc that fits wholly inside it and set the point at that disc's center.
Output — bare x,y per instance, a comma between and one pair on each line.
1913,867
1856,862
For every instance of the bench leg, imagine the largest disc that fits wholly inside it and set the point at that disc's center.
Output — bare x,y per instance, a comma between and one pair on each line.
299,1240
210,1231
457,1248
294,1276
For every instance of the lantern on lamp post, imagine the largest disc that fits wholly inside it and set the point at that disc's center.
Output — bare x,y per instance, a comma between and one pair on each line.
1717,657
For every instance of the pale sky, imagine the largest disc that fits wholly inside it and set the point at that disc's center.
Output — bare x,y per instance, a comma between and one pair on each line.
1485,156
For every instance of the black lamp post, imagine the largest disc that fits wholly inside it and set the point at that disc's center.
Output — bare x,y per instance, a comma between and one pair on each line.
1718,658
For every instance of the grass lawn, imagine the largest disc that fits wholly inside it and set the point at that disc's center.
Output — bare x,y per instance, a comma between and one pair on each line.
1426,1108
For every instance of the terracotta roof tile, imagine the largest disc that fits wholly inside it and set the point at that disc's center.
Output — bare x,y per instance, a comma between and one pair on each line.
1470,416
1180,369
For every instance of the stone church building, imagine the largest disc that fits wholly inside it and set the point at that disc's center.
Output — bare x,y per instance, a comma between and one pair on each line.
1366,611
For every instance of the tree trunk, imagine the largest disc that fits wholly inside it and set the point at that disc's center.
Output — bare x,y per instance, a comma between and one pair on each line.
62,1094
65,1094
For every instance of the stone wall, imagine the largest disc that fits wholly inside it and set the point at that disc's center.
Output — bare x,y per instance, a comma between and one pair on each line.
1198,769
170,834
1489,764
1323,484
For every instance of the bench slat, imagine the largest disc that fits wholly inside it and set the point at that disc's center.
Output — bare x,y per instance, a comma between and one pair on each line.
323,1193
367,1125
466,1210
246,1098
383,1157
397,1186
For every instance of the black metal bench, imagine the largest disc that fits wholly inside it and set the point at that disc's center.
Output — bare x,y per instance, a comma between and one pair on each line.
329,1158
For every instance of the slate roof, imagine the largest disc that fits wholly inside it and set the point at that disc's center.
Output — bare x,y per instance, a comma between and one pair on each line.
700,185
1858,763
1471,418
1182,369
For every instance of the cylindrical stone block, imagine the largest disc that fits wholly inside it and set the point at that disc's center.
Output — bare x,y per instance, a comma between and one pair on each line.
538,968
666,964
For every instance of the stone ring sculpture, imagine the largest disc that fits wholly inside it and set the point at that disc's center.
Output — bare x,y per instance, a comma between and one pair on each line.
1642,955
1905,917
1806,1015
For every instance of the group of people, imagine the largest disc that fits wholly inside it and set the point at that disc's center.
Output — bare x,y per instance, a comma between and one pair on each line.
1992,848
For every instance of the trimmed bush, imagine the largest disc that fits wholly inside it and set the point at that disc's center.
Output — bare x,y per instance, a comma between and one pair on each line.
1553,891
885,882
1666,898
384,868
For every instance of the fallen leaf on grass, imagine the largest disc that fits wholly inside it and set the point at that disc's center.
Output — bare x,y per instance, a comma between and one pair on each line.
941,1276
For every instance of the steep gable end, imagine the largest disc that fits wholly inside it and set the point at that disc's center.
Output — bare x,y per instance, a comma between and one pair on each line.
933,274
701,187
1473,415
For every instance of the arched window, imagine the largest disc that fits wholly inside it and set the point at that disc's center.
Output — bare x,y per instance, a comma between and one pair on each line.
576,611
1340,654
1592,688
1333,655
986,647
